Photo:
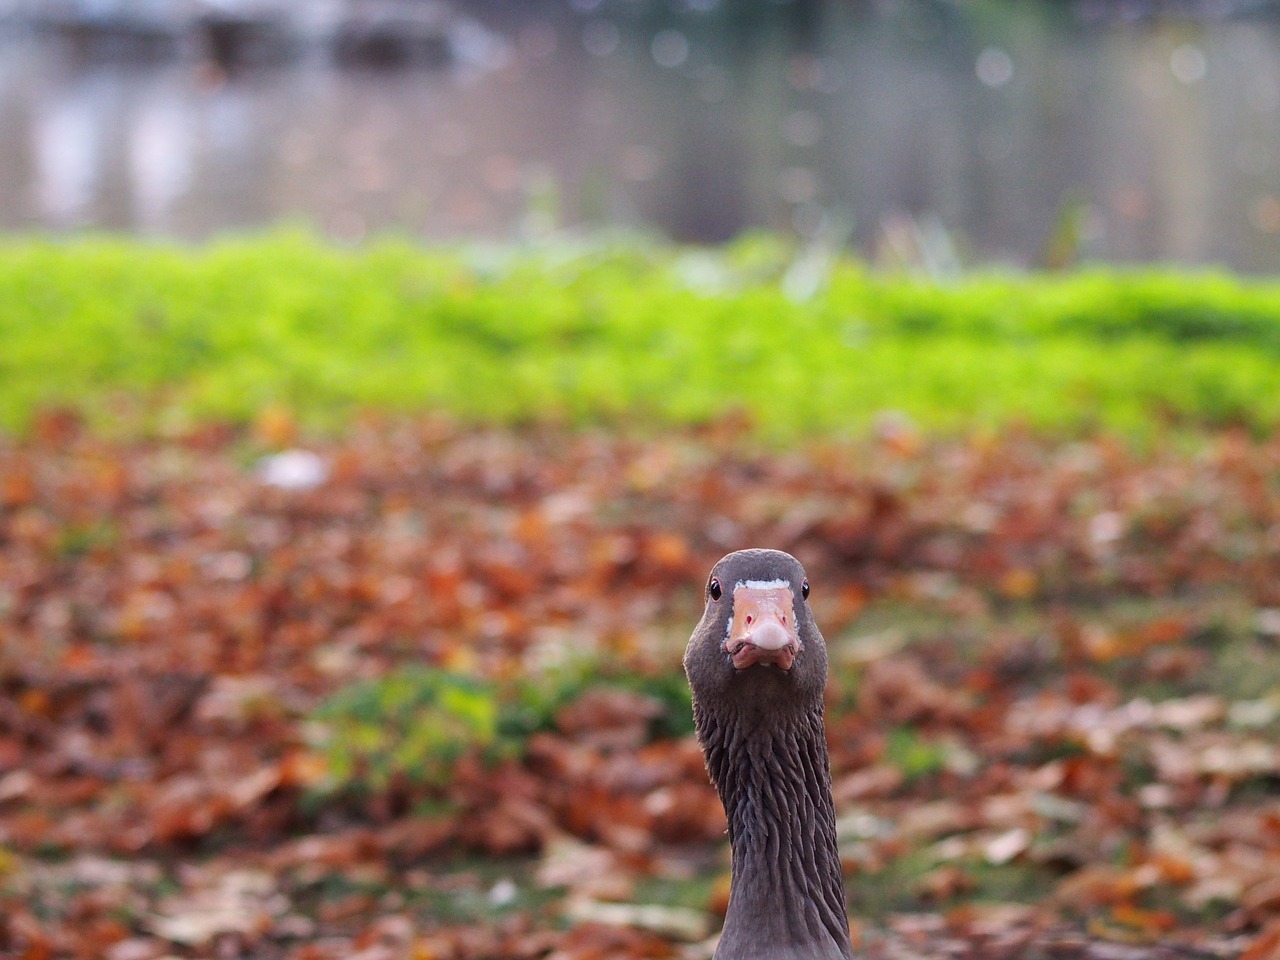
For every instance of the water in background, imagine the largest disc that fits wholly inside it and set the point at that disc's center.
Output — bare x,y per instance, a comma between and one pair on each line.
934,133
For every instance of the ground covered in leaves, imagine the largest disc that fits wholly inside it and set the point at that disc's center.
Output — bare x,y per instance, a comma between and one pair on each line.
415,692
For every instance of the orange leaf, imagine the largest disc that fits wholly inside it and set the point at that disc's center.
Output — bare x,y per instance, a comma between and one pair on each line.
1266,946
1152,922
17,489
1019,584
35,701
275,426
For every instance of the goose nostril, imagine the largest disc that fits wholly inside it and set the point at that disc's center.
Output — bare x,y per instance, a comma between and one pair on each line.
749,619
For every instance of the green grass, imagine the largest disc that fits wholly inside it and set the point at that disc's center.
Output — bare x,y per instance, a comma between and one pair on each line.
620,332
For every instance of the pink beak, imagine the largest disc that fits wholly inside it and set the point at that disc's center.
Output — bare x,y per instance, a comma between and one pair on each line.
763,629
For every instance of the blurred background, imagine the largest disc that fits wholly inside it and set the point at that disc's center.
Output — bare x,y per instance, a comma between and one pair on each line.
1133,130
380,379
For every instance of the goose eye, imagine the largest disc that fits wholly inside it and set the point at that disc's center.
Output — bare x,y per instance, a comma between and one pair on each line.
713,588
804,589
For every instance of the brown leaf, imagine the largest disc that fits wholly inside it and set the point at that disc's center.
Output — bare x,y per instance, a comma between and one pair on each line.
898,689
944,883
610,718
1266,945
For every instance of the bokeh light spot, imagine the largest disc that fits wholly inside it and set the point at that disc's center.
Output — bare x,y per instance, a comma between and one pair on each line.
994,67
1188,64
670,48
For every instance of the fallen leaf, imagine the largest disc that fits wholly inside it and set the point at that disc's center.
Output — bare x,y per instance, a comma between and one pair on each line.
1006,846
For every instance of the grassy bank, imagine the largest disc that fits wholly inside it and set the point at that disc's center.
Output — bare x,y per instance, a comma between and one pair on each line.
608,333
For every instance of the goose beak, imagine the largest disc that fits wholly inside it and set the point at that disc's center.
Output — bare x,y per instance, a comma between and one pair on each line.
763,630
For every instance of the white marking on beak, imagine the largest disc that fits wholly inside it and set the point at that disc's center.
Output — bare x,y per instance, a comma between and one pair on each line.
763,584
770,635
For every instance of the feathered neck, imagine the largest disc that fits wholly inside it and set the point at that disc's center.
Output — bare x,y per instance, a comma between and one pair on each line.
774,778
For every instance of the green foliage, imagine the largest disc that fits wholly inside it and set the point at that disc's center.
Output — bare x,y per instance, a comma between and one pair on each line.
415,723
672,691
412,723
622,332
530,705
912,754
77,540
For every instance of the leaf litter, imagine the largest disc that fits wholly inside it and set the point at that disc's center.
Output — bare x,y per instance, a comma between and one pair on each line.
1053,707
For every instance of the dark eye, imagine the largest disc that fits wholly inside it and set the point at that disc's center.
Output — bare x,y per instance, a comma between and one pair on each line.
713,588
804,589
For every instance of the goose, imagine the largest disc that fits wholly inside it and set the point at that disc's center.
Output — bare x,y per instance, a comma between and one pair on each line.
757,668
